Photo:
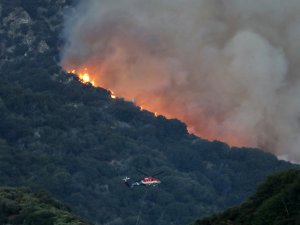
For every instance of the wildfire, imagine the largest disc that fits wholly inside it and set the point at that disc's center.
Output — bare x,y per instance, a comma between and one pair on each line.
87,78
142,108
83,76
112,95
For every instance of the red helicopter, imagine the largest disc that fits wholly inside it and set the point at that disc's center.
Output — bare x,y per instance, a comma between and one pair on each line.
147,181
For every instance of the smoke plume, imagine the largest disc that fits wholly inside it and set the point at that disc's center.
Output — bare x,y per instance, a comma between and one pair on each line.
228,68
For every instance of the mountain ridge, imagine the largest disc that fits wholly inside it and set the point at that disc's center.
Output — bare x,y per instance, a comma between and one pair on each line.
76,142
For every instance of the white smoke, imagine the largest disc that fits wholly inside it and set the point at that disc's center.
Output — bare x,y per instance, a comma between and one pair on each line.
228,68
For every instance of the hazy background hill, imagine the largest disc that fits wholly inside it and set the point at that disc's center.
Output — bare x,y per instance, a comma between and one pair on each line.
77,142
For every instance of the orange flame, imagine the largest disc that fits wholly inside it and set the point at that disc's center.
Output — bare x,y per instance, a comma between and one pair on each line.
83,76
112,95
158,109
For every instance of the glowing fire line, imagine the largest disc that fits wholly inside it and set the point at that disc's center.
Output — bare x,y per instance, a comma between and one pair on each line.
85,78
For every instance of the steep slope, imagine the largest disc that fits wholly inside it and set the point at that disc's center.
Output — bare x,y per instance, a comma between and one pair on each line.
276,202
77,142
21,206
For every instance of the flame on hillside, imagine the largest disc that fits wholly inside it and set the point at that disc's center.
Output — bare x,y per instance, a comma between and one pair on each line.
113,95
84,76
88,78
158,106
228,69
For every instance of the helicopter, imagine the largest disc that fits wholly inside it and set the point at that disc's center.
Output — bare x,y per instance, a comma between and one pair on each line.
146,181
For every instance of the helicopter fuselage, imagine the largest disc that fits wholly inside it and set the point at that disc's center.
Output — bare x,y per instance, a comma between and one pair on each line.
150,181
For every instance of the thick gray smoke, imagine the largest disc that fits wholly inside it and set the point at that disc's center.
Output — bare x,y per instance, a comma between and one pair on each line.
229,68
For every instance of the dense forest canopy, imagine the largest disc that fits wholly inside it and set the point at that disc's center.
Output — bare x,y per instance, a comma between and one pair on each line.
20,206
75,141
276,202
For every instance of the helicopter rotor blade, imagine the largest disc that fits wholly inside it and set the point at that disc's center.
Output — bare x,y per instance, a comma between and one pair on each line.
143,173
157,173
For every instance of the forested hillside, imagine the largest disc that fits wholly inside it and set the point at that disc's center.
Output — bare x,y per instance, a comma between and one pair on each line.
75,141
22,207
276,202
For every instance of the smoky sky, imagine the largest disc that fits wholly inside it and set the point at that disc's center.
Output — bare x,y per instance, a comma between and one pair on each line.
228,68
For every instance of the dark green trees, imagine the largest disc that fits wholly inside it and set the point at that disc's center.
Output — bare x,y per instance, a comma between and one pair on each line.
22,207
276,202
